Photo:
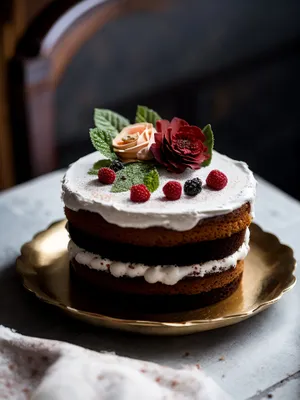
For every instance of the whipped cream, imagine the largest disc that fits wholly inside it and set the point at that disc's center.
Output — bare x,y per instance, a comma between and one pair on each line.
166,274
81,191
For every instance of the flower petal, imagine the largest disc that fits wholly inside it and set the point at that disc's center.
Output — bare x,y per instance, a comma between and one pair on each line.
194,130
177,123
179,145
162,125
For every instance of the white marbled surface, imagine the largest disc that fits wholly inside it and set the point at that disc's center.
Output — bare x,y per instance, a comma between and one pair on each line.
259,357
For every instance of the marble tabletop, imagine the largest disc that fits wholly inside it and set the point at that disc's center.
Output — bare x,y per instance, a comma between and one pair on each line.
256,359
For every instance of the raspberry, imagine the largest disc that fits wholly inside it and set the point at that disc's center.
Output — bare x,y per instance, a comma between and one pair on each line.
106,175
172,190
216,180
116,165
139,193
193,187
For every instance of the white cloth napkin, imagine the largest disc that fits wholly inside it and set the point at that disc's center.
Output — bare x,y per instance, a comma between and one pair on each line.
40,369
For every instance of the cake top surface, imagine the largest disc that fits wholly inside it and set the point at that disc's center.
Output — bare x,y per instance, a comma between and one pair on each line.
82,191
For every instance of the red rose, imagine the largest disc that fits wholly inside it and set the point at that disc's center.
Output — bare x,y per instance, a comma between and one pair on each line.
179,145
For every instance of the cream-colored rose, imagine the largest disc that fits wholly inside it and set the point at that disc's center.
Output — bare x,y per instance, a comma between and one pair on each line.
134,141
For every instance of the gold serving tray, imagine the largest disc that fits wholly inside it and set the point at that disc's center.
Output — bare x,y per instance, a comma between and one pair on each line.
269,273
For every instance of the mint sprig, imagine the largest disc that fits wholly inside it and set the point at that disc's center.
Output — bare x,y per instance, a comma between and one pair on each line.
145,114
109,121
134,174
102,142
151,180
209,143
99,164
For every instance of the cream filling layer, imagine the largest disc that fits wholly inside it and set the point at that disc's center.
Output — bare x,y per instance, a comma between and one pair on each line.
166,274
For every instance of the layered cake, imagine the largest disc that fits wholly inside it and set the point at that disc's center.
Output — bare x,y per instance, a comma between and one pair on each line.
157,216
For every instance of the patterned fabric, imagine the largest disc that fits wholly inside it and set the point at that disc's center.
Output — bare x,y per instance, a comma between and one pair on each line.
42,369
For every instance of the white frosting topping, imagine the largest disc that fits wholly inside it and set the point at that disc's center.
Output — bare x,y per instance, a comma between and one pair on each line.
166,274
81,191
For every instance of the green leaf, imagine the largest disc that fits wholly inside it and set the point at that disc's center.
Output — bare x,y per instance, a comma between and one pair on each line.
102,142
151,180
106,126
99,164
145,114
93,171
109,121
209,143
131,174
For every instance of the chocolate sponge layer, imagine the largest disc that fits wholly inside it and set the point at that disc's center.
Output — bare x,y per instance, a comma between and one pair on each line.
105,293
181,255
105,282
208,229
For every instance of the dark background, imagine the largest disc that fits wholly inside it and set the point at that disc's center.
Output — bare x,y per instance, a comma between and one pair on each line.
232,63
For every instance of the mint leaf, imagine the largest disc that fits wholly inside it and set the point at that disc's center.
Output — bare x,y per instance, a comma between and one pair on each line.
209,143
99,164
106,126
93,171
102,142
109,121
145,114
151,180
131,174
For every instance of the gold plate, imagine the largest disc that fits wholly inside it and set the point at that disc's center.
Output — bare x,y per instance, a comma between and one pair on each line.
268,274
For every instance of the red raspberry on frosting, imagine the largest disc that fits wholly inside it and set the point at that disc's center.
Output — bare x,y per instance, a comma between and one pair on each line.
139,193
106,175
216,180
172,190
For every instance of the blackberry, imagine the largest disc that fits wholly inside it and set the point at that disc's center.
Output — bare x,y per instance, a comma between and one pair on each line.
193,187
116,165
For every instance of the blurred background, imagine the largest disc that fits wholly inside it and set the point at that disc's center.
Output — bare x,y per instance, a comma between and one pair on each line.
232,63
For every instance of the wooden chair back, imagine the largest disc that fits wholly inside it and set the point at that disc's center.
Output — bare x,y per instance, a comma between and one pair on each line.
41,57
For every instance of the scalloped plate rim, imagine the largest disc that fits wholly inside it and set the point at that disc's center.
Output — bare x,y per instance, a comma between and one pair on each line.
235,318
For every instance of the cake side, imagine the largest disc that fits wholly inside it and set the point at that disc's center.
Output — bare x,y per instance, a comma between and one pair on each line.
168,274
107,283
167,219
212,228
